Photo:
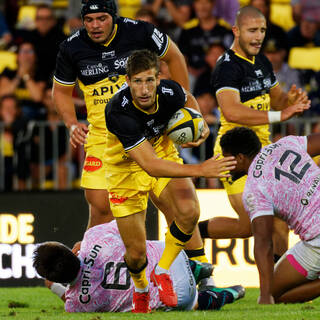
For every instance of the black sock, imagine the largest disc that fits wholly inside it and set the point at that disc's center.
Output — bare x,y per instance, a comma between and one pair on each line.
203,228
209,300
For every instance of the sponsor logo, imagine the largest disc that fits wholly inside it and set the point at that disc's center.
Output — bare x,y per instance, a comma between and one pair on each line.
95,69
108,55
94,7
92,164
116,199
165,90
88,263
226,57
120,63
262,157
314,186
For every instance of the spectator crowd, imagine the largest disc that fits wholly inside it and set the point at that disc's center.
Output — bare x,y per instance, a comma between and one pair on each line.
31,31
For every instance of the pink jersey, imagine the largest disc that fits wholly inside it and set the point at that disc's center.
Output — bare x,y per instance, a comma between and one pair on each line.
285,181
104,283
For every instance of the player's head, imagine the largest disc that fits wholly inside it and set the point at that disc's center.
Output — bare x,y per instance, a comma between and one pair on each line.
249,31
143,77
99,17
244,145
56,262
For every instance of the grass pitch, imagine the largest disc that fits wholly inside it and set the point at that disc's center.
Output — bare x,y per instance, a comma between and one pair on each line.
40,304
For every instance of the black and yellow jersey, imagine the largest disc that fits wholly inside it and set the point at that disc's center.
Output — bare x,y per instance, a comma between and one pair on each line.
129,126
100,68
252,79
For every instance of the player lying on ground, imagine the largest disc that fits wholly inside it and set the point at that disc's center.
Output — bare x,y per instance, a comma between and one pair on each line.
283,181
99,279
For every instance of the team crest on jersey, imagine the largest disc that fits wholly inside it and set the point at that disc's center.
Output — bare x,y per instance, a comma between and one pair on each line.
258,73
92,164
116,199
226,57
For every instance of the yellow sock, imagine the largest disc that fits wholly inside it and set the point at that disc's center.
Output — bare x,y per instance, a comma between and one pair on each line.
140,279
175,242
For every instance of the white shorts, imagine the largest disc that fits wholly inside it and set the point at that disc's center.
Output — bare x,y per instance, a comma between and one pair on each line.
304,256
183,282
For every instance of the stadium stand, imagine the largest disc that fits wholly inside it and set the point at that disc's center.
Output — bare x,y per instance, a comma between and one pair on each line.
305,58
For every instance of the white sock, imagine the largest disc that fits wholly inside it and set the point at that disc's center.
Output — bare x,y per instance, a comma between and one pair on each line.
146,289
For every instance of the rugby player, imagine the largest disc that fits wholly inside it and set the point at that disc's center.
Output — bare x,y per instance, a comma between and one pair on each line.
99,280
96,56
283,181
246,90
140,158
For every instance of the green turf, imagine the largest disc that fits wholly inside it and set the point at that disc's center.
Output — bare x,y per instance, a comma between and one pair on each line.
41,304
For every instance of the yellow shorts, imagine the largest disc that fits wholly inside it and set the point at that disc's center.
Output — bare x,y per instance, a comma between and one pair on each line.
129,191
94,169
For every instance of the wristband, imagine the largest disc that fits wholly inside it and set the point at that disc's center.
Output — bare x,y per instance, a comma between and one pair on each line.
274,116
58,289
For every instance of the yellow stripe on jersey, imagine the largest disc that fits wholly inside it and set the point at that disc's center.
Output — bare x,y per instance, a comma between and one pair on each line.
251,61
63,83
114,34
227,89
167,48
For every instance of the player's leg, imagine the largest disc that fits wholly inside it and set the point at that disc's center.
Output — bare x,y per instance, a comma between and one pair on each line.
194,248
93,181
296,274
99,208
133,234
180,195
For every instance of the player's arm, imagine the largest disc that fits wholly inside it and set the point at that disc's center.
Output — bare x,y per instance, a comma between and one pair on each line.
236,112
62,97
148,160
177,65
57,288
313,147
262,227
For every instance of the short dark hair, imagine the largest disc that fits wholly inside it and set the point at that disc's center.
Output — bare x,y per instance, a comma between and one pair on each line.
142,60
241,140
56,262
248,11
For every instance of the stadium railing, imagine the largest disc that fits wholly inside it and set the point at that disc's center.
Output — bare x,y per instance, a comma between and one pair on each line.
38,161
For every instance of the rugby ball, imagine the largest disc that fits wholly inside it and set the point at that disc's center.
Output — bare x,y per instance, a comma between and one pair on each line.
186,125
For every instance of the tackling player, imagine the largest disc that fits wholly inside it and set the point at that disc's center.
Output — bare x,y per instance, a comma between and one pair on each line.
283,181
246,90
139,159
99,280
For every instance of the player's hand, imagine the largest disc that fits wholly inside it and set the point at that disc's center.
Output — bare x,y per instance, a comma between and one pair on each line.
296,109
76,248
268,299
78,134
204,135
296,94
214,168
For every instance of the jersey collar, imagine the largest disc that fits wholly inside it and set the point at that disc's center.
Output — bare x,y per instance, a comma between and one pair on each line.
241,57
146,112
